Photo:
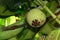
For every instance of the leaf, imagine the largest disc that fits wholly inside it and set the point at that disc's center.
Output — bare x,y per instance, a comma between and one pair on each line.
1,22
6,13
54,35
13,38
47,28
10,33
11,20
26,34
52,6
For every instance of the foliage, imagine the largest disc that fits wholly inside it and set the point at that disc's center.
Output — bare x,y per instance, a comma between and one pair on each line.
54,35
18,29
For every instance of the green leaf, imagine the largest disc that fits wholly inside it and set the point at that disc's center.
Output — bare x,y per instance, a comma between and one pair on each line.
52,6
10,33
1,22
48,27
11,20
54,35
4,12
13,38
26,34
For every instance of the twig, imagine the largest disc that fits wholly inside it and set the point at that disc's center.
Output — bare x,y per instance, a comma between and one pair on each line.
13,27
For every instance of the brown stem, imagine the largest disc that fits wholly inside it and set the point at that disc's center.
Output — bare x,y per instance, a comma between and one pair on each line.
13,27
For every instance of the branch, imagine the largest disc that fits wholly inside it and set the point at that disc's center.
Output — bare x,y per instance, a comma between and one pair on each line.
13,27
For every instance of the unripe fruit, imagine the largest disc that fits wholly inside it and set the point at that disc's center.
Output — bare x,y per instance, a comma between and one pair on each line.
35,18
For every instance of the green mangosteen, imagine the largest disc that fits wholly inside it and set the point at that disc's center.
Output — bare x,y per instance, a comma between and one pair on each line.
35,17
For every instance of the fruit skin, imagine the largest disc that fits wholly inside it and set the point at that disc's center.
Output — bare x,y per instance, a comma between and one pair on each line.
35,17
